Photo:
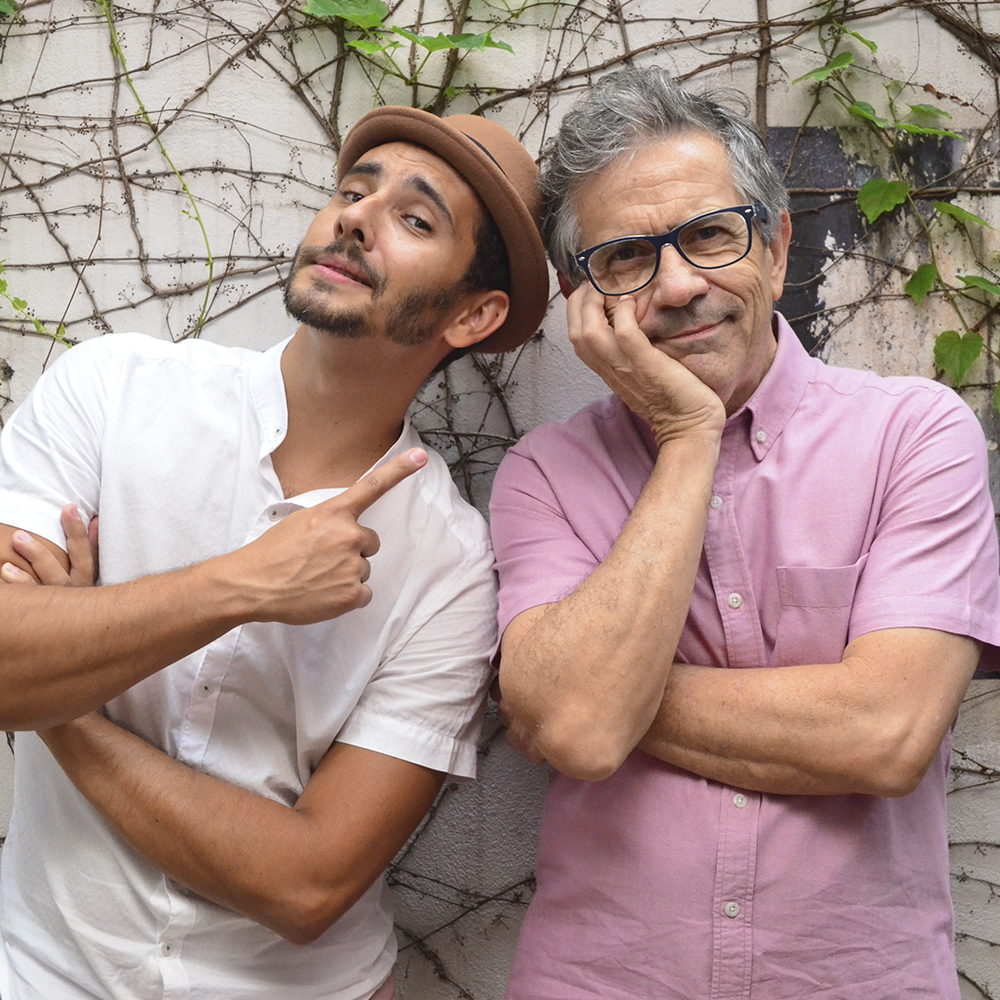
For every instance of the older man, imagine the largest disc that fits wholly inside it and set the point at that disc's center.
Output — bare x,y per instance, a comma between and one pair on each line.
278,720
741,599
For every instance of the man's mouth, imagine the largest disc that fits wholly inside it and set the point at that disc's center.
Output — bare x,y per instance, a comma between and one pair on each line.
344,269
687,334
342,263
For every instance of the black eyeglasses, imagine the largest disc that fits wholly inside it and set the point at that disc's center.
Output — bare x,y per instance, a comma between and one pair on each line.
715,239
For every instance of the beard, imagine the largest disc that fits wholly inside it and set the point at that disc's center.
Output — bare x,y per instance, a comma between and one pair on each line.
311,305
411,321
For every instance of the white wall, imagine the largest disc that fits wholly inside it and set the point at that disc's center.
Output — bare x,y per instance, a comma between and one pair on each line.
257,160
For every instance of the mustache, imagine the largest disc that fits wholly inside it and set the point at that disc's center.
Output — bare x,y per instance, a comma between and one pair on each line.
347,248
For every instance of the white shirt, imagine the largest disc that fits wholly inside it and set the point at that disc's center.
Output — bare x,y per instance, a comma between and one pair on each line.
171,443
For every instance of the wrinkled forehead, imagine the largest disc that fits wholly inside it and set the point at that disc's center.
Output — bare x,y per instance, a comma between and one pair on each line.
655,187
690,156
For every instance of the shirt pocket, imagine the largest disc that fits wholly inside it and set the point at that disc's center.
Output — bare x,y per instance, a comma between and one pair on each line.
816,603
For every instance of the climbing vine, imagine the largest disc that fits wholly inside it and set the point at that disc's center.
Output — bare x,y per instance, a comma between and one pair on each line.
159,160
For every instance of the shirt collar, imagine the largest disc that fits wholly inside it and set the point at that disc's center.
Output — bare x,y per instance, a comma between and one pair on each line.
779,393
267,389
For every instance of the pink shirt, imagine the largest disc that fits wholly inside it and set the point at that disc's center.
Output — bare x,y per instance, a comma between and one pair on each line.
843,503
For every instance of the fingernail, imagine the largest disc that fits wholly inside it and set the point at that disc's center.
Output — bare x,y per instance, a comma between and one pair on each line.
418,457
21,536
73,511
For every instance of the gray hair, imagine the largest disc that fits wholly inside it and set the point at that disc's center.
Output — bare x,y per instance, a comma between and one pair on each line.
623,112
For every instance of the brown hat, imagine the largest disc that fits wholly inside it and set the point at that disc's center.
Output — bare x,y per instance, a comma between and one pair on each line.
501,171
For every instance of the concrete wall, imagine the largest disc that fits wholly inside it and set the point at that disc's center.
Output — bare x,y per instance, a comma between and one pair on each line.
97,233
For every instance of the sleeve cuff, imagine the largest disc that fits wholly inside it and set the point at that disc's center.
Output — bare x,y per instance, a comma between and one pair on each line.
32,514
396,738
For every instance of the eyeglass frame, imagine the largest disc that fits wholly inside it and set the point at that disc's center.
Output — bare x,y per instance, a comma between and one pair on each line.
749,213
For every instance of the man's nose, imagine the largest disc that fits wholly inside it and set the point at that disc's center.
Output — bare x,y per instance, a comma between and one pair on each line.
677,282
357,219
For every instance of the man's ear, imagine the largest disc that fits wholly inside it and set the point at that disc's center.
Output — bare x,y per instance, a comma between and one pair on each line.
565,285
779,256
481,314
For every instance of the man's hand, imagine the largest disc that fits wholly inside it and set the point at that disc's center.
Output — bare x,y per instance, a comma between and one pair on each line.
45,568
64,654
313,566
655,387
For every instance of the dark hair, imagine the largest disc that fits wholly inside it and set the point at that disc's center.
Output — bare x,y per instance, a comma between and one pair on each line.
489,269
632,108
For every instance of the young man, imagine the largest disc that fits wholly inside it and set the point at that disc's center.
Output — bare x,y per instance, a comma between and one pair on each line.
281,711
741,599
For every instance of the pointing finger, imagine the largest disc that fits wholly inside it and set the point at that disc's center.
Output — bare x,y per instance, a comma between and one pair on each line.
378,482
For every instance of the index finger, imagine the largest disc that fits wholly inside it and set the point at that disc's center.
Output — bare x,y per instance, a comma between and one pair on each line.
359,497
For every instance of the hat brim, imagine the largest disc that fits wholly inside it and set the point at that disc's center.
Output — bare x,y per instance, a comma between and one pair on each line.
529,292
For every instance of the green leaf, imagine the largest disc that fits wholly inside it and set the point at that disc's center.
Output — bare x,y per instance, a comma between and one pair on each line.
945,208
955,354
370,48
921,282
3,284
839,63
480,42
433,43
975,281
878,196
7,8
928,109
861,109
996,397
920,130
19,304
865,41
362,13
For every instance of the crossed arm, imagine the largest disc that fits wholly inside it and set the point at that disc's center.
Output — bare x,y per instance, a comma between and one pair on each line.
590,678
66,651
295,869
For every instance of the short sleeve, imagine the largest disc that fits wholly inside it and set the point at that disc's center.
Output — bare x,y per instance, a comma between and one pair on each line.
933,561
426,701
50,449
540,557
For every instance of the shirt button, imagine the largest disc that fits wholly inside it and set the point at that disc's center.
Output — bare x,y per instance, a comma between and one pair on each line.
740,800
731,909
761,436
715,503
166,948
206,689
735,600
273,514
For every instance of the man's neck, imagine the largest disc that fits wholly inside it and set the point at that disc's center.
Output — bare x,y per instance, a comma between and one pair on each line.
347,399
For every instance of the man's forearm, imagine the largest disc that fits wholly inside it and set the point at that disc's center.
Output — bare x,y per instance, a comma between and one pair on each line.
294,869
570,681
67,651
870,724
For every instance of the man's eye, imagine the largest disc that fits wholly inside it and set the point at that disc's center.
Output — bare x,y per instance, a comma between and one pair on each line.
705,234
419,223
351,196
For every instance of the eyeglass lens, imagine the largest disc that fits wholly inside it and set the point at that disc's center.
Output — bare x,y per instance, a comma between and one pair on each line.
627,265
